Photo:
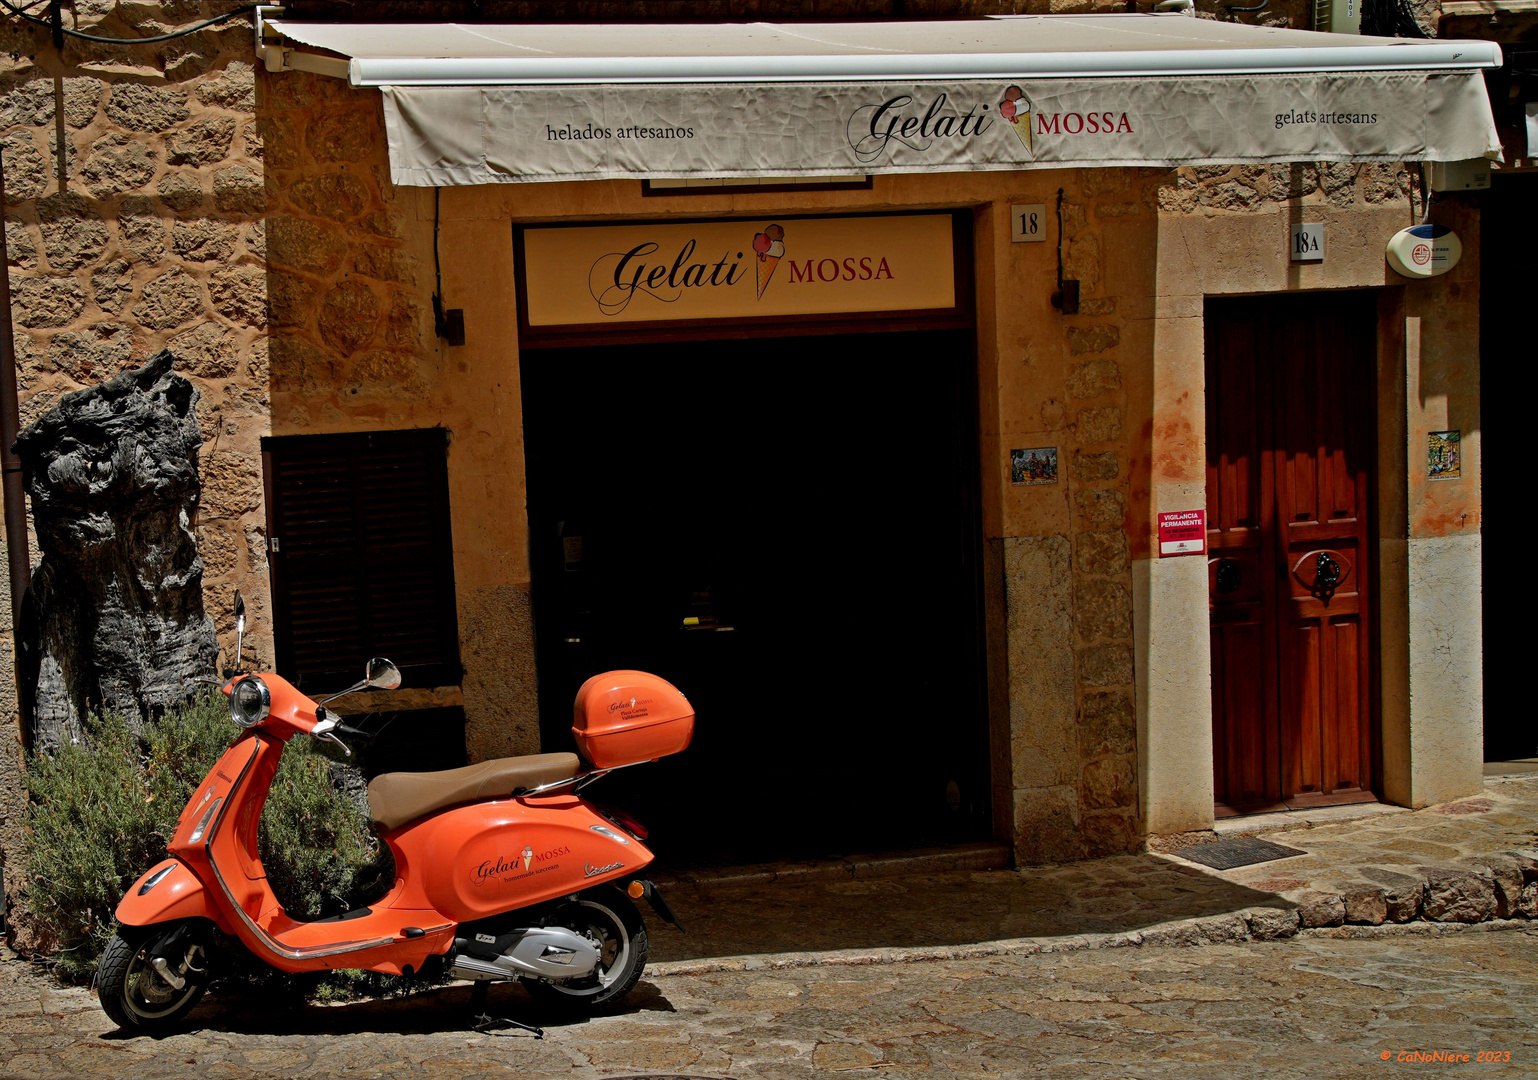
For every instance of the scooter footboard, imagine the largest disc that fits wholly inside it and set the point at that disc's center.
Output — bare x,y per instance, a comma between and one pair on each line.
170,890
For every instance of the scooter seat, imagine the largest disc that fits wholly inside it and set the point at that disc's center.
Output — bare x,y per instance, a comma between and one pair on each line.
398,797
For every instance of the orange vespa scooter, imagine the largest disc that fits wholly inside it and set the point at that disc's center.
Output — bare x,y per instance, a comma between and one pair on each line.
503,869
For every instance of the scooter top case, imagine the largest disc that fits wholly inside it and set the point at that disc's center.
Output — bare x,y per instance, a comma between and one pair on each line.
625,717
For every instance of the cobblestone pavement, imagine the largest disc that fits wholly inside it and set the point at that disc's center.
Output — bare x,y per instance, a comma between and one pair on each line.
1466,861
1309,1007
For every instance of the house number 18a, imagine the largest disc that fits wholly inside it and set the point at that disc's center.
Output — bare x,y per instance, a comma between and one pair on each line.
1028,224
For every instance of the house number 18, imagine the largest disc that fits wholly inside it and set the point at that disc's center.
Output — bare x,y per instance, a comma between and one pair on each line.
1028,224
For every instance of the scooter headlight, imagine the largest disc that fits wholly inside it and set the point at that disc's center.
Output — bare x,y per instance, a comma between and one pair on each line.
250,701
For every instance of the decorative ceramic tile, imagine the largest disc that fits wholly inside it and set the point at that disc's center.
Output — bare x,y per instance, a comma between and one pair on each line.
1035,466
1444,456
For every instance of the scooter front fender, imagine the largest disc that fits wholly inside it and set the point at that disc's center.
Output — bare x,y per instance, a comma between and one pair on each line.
169,890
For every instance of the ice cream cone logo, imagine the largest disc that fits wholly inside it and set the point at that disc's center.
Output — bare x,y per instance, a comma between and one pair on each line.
528,856
770,246
1016,108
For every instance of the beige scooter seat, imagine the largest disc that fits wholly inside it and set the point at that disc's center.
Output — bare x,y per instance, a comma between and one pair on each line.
398,797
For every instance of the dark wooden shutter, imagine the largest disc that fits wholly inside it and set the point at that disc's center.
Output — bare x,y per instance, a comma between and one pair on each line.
361,556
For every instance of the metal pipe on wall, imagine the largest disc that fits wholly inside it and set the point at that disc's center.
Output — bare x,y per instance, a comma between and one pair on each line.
10,426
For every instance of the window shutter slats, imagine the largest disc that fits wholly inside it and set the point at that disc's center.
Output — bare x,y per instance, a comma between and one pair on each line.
364,562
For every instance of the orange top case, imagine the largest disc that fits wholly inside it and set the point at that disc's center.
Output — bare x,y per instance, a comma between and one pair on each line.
622,717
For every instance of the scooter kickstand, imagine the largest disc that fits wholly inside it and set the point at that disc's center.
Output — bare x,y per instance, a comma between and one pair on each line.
487,1025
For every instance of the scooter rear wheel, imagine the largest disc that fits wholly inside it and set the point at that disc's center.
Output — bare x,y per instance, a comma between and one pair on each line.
137,995
607,918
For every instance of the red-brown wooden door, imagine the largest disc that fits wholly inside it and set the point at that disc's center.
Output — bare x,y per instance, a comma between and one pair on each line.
1290,435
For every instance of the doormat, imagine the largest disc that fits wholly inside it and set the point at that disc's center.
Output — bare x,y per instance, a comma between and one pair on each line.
1237,851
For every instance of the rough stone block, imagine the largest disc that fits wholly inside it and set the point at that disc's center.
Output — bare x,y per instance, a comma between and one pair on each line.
240,294
337,196
1089,468
1094,338
341,136
1105,665
304,245
300,368
1093,378
239,190
1099,507
203,240
117,164
139,107
1047,826
1112,833
26,170
1459,897
234,89
1403,904
142,231
1366,906
202,143
1107,723
1271,924
207,351
100,351
1322,911
348,315
111,286
74,234
1527,904
180,191
46,301
1098,425
170,300
1109,782
20,248
1508,880
1102,608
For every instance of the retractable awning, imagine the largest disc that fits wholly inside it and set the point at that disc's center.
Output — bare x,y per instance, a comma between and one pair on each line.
478,104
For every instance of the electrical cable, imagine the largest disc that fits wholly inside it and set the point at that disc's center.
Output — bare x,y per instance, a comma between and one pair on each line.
24,13
438,324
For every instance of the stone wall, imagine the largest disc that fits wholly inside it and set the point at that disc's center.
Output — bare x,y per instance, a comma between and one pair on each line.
153,237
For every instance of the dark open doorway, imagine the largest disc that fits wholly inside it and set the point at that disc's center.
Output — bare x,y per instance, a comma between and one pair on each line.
1508,230
811,502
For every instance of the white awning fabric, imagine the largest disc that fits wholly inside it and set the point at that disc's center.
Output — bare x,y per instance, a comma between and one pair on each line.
477,104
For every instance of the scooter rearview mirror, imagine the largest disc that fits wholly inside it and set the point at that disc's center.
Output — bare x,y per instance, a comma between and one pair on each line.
382,675
240,626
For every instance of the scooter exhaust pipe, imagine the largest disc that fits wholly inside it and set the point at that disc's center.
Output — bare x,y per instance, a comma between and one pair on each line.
546,952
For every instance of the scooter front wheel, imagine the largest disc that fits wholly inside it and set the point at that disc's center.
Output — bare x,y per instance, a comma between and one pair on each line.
150,977
608,919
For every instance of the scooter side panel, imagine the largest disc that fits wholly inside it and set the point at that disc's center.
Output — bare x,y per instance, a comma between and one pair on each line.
485,858
178,895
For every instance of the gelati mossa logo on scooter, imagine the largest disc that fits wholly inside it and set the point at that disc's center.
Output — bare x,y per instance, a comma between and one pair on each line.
503,869
632,709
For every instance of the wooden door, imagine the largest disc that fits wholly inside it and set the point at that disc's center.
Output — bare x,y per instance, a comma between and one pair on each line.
1290,434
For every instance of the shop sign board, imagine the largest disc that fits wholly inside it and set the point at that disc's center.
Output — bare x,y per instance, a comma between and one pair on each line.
744,268
1424,250
446,135
1183,532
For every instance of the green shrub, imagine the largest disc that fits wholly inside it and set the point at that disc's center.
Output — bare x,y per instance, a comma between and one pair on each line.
102,812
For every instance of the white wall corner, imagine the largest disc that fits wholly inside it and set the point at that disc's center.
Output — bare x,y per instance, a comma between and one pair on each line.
1446,670
1173,672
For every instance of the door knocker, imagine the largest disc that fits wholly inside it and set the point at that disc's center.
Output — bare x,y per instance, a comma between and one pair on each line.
1327,576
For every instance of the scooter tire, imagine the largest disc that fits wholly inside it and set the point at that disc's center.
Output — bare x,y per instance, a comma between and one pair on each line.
120,971
577,997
